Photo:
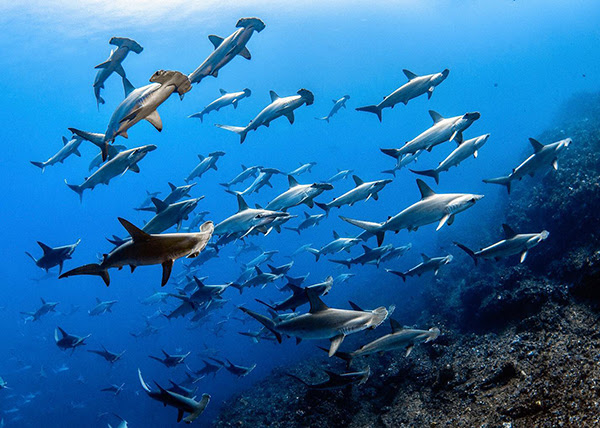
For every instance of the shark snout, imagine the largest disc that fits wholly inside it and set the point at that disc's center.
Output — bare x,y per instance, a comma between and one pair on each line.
323,186
472,115
475,198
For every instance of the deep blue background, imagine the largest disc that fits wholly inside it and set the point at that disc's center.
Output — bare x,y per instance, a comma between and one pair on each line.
513,61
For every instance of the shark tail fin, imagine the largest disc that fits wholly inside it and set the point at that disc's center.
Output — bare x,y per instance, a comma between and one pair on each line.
429,173
467,250
504,181
267,322
371,227
389,171
31,257
398,273
342,262
266,304
40,165
371,109
240,130
294,229
297,378
314,252
237,286
324,207
197,115
89,269
77,189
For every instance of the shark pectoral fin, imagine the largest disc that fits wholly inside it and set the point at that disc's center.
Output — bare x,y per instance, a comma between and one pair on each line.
179,415
120,71
310,203
335,344
167,267
451,220
245,53
134,168
555,164
298,340
375,196
523,256
475,154
290,116
442,221
103,64
155,120
430,92
409,349
132,267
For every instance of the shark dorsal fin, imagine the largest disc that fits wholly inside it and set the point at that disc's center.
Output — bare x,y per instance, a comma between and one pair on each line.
160,205
242,205
172,186
508,231
65,141
274,96
98,301
199,282
62,332
215,40
292,181
258,270
166,355
43,301
222,91
435,116
336,235
295,289
316,304
357,180
425,257
355,306
201,157
537,146
395,325
409,74
425,190
306,215
366,249
46,249
135,232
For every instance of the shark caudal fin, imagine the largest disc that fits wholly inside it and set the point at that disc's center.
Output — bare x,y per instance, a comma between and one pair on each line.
398,273
314,252
467,250
77,189
429,173
504,181
324,207
323,118
40,165
89,269
267,322
395,153
371,109
240,130
197,115
371,228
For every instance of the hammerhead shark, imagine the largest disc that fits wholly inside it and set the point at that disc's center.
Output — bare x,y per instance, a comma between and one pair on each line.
145,249
322,322
337,381
181,403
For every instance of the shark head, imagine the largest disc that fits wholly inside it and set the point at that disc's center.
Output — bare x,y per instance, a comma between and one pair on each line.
247,92
216,154
308,96
251,23
139,153
462,202
481,140
440,77
170,77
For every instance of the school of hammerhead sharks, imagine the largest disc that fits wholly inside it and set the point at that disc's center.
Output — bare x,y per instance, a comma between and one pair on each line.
148,245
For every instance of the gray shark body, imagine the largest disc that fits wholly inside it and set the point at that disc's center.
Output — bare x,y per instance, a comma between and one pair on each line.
297,194
337,245
543,156
226,99
280,106
370,256
308,222
246,173
362,191
336,380
170,215
54,256
102,307
443,129
262,180
70,147
322,322
416,86
337,105
124,161
68,341
145,249
463,151
306,167
429,264
512,244
46,308
114,64
227,49
433,207
206,163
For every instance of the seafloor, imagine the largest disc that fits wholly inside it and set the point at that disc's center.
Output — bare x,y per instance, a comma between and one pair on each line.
520,344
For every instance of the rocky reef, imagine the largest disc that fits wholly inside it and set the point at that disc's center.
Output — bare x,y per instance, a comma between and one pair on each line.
520,343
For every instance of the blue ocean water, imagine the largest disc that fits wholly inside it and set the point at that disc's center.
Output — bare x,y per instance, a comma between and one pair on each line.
512,61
